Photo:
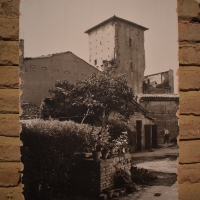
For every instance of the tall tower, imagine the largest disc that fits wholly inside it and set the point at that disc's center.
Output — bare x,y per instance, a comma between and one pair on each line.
119,43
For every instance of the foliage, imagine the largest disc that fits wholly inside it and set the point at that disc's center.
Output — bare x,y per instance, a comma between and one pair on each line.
117,129
98,96
98,138
141,176
123,180
48,153
30,111
120,142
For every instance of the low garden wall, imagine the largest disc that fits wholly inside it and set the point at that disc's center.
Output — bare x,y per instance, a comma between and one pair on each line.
94,177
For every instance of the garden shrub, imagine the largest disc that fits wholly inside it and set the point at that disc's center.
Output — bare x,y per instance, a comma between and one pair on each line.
123,180
141,176
48,155
116,127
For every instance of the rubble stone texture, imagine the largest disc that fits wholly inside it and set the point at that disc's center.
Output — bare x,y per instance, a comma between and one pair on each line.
9,77
189,112
188,177
191,74
10,166
189,127
189,32
98,176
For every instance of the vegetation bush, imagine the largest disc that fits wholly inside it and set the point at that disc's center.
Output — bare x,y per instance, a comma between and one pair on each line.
30,111
117,126
123,180
48,154
96,97
137,175
141,176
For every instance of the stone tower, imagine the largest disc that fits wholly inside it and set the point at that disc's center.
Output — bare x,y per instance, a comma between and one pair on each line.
119,44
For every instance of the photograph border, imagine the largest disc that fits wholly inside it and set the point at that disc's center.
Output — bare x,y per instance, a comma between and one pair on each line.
189,62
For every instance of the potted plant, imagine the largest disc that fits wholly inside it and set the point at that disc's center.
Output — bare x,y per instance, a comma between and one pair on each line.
105,153
95,144
125,142
112,147
121,143
96,153
97,140
104,140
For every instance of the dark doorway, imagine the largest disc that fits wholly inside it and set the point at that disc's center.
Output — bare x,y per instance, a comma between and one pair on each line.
139,134
154,136
147,129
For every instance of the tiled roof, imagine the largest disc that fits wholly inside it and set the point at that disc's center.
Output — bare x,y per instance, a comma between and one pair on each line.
157,73
115,18
139,106
141,95
56,54
46,56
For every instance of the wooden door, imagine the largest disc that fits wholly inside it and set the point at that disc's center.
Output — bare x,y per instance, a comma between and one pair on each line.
154,136
139,134
147,129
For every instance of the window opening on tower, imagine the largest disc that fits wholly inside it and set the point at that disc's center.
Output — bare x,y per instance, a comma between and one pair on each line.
130,42
95,62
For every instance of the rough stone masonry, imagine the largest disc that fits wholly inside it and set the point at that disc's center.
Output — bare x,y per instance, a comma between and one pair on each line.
10,166
95,177
189,119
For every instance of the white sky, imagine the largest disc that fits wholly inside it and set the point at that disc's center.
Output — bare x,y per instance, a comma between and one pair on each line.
53,26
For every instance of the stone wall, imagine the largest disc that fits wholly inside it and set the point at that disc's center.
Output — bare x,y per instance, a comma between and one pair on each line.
10,166
121,42
109,167
39,75
138,116
159,83
164,113
130,59
102,45
189,112
95,177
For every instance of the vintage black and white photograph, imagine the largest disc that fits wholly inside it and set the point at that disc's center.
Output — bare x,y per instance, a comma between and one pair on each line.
99,99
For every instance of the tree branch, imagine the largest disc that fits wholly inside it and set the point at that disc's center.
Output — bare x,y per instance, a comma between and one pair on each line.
85,116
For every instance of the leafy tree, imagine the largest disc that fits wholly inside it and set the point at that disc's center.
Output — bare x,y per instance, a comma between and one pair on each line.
98,96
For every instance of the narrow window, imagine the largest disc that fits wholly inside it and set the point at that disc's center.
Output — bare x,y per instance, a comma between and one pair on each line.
95,62
130,42
131,65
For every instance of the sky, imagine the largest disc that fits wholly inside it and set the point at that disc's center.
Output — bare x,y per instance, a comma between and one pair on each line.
54,26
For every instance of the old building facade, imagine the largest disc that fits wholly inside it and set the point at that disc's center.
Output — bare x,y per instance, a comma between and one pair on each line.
162,108
120,44
40,74
159,83
146,133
